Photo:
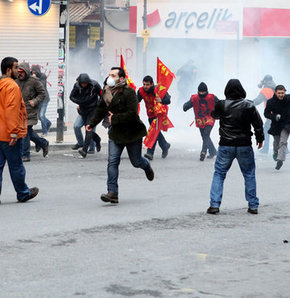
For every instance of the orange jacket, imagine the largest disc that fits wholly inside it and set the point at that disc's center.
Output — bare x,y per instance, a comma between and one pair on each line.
12,111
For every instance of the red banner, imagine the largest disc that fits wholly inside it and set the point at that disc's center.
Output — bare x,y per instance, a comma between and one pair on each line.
129,80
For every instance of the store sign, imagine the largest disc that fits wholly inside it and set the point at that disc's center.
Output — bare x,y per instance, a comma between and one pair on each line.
185,20
38,7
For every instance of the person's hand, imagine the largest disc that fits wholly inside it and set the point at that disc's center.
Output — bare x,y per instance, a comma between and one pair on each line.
260,145
278,117
31,102
13,141
110,117
78,108
88,128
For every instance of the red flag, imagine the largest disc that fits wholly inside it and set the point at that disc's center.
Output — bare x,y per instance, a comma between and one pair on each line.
164,79
153,18
129,80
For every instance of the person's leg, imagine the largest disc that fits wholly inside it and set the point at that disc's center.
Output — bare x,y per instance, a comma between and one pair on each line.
225,157
134,152
2,161
114,157
208,141
282,149
45,123
276,146
34,137
265,148
17,170
26,143
246,160
150,151
78,124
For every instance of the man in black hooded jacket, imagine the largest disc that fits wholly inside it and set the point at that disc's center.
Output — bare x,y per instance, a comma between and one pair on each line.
236,115
85,94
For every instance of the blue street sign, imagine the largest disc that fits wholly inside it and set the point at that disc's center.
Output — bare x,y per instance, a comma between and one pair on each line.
38,7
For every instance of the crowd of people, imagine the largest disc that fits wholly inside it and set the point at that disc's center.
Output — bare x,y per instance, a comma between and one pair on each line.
24,99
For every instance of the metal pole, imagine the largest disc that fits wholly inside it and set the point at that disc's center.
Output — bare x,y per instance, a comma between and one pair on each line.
145,27
238,49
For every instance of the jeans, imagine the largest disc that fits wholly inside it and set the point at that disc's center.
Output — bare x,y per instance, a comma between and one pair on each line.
225,157
45,123
35,138
267,126
160,139
280,144
16,169
115,151
206,140
78,124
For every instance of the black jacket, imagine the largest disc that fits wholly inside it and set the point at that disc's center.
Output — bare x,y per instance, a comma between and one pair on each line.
236,116
87,98
126,126
273,108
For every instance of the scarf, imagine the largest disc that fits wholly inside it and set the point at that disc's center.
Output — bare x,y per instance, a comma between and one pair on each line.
110,92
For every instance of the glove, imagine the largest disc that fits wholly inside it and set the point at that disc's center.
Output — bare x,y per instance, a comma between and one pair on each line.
278,117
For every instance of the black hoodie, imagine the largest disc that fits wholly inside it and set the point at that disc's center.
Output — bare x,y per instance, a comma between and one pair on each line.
236,116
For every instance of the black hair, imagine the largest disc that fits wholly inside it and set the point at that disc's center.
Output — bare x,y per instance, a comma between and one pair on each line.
121,72
148,79
280,87
6,63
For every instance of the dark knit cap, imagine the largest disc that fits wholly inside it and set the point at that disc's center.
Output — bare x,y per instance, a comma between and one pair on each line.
202,87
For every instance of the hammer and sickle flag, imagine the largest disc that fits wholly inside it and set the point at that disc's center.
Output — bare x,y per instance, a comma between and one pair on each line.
164,79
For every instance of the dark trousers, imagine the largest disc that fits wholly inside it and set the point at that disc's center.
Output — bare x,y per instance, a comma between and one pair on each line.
207,143
160,139
12,154
35,138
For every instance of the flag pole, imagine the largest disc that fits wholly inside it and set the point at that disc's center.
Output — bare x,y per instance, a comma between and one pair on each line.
145,27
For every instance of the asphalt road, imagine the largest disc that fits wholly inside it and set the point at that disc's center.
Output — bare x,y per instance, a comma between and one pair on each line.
158,242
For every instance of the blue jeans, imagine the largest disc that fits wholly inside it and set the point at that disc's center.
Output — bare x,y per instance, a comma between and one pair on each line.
78,124
16,169
115,151
45,123
225,157
160,139
35,138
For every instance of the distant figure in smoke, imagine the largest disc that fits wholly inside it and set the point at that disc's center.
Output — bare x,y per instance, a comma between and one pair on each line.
267,86
186,82
278,110
45,123
203,104
85,94
148,95
237,116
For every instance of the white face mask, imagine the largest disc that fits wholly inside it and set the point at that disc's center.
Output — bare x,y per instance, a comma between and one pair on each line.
111,82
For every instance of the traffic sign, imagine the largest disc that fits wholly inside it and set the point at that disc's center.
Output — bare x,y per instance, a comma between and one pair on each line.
38,7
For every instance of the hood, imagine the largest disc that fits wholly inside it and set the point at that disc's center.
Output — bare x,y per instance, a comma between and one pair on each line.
25,66
270,84
84,78
235,90
202,87
36,68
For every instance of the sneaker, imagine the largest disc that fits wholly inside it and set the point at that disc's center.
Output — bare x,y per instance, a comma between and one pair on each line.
202,156
33,193
149,174
279,164
253,211
110,197
45,150
165,152
37,148
148,156
275,155
76,146
213,210
82,153
25,159
97,140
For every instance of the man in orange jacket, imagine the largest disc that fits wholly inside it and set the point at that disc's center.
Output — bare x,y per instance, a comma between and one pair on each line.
13,127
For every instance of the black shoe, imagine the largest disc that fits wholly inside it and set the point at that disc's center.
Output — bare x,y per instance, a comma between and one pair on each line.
97,140
37,148
76,146
213,210
25,159
253,211
202,156
165,152
49,126
45,150
148,156
279,164
83,153
149,174
33,193
110,197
